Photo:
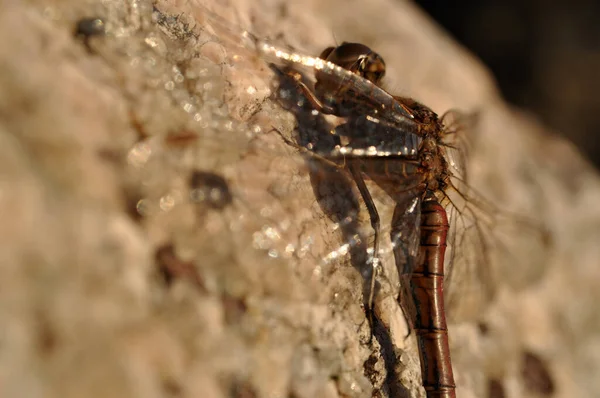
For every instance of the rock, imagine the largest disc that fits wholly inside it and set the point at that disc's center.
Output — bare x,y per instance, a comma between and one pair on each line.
101,136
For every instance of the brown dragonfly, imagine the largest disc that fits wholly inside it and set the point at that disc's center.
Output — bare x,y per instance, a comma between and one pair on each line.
414,157
405,155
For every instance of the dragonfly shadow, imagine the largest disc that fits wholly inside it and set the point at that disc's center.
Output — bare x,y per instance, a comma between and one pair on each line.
392,366
336,195
332,185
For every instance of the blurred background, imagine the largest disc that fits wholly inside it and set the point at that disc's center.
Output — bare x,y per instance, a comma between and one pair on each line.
545,56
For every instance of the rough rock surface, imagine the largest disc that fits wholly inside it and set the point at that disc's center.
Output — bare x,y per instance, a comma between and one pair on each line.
120,280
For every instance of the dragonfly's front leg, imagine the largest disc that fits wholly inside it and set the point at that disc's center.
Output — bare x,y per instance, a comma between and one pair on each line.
308,93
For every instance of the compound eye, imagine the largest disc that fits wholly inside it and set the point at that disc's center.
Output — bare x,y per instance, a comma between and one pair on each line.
375,76
372,68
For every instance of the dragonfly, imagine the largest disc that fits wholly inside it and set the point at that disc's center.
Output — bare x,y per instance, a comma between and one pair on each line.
409,152
418,159
405,154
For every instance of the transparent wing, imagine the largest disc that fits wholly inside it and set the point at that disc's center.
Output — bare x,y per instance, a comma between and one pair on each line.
359,93
405,236
489,249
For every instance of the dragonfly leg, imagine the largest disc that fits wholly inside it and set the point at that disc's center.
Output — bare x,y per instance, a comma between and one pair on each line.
306,91
375,224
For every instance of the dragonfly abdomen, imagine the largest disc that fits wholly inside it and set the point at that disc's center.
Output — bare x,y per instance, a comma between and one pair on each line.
427,287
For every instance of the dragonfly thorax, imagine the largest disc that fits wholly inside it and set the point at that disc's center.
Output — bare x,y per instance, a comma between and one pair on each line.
433,165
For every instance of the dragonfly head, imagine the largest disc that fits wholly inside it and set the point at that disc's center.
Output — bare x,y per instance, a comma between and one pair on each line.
358,59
